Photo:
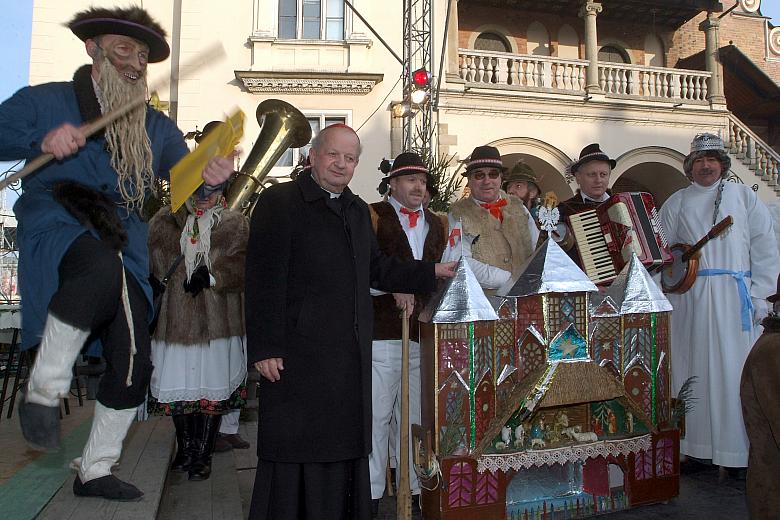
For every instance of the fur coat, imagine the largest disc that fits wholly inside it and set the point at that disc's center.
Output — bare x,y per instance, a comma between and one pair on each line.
759,391
216,312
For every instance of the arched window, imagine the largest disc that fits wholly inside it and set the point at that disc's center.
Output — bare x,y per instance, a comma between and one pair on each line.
568,42
489,41
613,54
538,40
654,51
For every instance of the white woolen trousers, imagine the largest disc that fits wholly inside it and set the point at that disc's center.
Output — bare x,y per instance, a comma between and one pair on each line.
229,424
386,400
104,446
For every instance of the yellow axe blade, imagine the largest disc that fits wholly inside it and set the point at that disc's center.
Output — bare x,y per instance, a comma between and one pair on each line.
186,175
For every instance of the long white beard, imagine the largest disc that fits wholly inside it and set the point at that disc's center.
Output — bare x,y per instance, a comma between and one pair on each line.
128,142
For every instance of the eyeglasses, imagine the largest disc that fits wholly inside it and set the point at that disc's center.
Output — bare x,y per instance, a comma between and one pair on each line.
478,176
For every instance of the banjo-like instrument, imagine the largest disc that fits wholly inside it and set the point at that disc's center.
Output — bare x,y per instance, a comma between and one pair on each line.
679,276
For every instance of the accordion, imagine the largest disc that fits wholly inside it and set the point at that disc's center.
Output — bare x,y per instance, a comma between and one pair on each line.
608,235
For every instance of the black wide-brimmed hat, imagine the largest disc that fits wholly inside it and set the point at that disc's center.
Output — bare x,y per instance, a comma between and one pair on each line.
484,157
407,163
134,22
592,152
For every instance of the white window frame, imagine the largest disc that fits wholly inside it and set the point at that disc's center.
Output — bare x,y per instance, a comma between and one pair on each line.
284,171
323,22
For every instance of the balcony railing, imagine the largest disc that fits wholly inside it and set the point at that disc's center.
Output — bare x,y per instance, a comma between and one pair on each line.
526,72
753,152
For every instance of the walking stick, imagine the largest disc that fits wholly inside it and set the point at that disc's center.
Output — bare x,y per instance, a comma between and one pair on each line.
403,506
211,54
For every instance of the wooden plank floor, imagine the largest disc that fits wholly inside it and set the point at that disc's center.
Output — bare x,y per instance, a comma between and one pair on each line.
145,458
222,496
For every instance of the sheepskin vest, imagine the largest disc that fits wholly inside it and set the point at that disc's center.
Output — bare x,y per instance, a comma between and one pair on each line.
504,244
216,312
393,242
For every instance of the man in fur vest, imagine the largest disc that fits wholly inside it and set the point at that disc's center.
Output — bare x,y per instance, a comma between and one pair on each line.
83,265
404,230
759,392
493,230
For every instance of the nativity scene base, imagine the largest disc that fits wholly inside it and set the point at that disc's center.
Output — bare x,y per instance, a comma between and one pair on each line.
551,400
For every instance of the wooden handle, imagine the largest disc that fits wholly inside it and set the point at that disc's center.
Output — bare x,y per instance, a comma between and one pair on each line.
403,499
716,230
211,54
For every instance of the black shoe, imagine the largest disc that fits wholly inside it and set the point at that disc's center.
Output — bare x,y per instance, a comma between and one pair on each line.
691,466
375,507
40,425
208,427
186,441
230,441
108,487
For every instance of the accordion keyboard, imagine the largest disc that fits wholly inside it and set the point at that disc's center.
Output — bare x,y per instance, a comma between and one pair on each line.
592,245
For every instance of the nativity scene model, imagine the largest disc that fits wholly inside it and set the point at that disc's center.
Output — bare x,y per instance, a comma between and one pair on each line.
550,400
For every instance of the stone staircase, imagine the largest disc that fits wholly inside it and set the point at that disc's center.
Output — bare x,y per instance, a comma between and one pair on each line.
746,148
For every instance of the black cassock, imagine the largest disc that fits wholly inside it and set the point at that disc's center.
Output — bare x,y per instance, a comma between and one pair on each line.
311,261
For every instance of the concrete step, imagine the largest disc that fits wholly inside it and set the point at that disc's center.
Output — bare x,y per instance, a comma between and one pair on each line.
145,459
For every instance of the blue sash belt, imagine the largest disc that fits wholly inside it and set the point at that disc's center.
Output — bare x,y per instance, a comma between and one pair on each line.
746,304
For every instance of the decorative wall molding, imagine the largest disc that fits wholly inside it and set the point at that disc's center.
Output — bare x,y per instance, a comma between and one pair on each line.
308,82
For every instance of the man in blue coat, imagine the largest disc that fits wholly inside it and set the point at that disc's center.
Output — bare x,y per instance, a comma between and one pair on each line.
83,265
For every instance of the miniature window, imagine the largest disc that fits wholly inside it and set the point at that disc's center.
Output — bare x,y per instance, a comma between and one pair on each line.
664,457
487,488
461,484
643,466
492,42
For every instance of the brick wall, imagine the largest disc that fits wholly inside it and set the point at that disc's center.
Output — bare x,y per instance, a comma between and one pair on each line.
745,32
514,25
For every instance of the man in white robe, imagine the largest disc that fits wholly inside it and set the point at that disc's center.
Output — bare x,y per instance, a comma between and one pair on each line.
716,322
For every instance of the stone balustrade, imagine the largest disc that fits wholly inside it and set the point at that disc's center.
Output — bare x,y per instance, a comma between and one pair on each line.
527,72
753,152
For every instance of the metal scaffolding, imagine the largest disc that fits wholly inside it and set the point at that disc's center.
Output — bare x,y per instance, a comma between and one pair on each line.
418,128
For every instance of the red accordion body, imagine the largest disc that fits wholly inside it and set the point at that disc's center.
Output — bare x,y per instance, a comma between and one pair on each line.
607,236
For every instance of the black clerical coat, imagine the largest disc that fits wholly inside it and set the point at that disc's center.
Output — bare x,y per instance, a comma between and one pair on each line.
310,263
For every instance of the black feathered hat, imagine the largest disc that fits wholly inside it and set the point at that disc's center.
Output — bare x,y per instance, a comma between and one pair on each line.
134,22
592,152
407,163
484,157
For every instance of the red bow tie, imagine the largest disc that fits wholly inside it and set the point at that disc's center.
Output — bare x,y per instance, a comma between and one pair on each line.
495,208
413,216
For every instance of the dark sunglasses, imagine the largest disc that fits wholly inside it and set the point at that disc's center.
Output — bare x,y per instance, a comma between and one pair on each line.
481,175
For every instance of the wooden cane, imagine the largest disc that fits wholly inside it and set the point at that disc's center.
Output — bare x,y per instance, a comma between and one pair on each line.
404,494
207,57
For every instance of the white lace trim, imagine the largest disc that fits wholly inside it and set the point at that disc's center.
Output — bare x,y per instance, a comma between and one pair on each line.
579,452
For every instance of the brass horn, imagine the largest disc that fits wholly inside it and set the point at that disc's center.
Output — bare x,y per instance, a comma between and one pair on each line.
282,126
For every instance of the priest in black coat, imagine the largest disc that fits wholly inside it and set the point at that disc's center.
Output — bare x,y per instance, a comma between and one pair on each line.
311,260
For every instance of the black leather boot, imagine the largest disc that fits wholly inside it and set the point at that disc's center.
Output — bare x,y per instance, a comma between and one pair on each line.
207,437
186,441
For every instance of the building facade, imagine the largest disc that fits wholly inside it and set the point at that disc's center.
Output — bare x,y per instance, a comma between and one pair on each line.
538,80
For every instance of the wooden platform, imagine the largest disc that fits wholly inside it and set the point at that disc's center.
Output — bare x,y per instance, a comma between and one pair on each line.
145,459
223,496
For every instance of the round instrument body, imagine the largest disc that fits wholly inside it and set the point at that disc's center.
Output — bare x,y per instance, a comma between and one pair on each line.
678,277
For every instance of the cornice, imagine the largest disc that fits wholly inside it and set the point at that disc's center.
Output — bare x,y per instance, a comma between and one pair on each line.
308,82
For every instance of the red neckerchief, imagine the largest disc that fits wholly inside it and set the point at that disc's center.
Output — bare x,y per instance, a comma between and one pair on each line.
495,208
413,215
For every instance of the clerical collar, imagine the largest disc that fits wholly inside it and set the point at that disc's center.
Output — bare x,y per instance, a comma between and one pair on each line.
332,194
397,205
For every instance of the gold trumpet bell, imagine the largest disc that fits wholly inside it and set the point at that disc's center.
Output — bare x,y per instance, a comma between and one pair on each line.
282,126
